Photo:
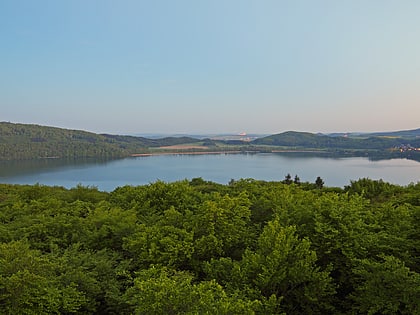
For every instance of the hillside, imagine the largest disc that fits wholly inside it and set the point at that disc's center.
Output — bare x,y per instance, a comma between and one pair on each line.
319,141
400,134
409,134
23,141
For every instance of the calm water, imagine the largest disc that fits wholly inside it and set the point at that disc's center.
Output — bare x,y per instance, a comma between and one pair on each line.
107,175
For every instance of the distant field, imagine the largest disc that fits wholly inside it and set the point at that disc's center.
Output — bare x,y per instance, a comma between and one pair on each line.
183,147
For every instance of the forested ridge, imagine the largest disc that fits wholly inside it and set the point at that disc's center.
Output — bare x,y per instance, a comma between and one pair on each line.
198,247
23,142
368,142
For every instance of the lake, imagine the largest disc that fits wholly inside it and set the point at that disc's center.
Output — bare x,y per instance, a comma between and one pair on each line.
221,168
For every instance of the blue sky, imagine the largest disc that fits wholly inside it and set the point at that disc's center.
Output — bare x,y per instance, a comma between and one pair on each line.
211,66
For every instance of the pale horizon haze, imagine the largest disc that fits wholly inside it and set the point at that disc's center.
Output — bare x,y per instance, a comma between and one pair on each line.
263,66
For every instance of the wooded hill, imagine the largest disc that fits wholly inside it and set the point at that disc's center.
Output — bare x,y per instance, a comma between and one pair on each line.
23,141
414,133
320,141
197,247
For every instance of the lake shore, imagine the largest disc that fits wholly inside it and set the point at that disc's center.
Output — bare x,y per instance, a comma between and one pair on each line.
186,153
223,152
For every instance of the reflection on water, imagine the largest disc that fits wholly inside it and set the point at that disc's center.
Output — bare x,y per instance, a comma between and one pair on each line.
221,168
27,167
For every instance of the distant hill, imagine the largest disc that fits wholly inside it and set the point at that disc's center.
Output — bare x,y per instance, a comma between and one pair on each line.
415,133
321,141
410,134
25,141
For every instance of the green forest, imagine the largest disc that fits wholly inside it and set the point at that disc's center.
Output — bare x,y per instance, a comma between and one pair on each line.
198,247
26,142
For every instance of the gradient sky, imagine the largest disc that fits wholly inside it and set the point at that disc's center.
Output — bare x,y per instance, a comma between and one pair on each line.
263,66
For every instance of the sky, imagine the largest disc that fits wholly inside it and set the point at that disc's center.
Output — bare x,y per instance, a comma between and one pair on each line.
215,66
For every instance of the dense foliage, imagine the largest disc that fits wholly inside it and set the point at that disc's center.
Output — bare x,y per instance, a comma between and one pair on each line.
197,247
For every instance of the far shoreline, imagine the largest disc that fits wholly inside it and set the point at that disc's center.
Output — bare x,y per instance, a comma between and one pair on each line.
222,152
186,153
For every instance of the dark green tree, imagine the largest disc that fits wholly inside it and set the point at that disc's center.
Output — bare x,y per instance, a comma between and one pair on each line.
288,179
319,183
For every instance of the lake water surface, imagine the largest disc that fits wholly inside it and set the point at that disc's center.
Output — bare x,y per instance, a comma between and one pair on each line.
221,168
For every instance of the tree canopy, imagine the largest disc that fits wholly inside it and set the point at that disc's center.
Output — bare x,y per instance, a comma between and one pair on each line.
198,247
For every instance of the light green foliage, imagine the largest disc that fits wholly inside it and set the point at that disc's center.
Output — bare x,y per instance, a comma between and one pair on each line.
387,287
165,291
161,243
284,266
196,247
152,200
101,276
394,226
377,190
108,226
28,284
220,226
